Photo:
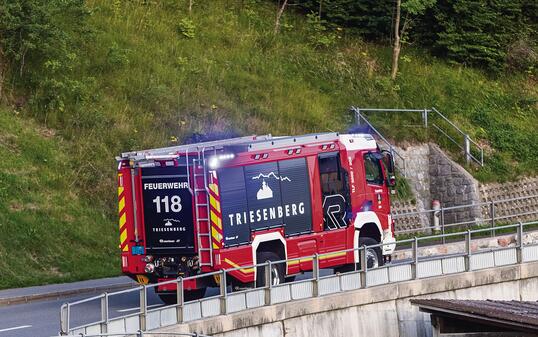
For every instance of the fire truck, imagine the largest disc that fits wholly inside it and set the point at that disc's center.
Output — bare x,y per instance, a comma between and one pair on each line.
234,203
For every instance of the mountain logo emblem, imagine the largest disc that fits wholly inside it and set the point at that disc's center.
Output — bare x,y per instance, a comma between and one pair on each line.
265,192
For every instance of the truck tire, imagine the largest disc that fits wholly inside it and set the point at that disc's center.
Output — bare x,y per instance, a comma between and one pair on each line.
188,295
374,257
277,270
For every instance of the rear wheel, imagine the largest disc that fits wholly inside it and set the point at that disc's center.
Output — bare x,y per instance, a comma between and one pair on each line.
188,295
277,270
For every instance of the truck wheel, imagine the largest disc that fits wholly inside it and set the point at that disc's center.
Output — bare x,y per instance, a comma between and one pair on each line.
277,270
374,257
188,295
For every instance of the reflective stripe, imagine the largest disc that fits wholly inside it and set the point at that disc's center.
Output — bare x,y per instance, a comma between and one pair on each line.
121,204
123,236
123,220
216,220
214,189
214,203
244,270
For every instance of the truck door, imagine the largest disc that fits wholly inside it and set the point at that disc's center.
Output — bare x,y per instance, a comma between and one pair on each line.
336,207
376,192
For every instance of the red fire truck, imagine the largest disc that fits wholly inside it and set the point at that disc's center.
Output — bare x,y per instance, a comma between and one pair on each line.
197,208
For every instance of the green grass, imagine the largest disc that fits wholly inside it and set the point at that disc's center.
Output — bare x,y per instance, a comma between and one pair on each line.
48,232
151,78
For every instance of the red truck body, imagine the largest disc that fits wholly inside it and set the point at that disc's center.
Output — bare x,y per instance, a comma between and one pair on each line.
198,208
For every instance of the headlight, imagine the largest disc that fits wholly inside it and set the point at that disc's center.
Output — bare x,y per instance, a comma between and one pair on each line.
150,268
148,258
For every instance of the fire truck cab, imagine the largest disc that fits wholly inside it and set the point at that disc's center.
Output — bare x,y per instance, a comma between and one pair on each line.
233,203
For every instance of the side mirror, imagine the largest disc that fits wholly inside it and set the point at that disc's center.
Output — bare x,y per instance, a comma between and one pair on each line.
388,161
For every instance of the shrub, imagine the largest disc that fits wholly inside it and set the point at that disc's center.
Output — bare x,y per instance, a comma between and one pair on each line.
186,28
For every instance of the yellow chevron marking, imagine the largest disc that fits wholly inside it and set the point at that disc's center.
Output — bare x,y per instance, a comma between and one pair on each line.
121,204
216,220
215,246
215,203
235,265
216,235
120,190
123,236
126,248
214,189
123,220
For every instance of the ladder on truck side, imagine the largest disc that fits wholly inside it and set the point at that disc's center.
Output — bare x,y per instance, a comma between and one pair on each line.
200,194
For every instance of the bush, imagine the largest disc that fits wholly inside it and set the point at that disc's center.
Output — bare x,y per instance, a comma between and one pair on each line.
40,41
522,56
186,28
319,34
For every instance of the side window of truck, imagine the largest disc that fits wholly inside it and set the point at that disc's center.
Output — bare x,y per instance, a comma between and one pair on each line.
372,169
335,195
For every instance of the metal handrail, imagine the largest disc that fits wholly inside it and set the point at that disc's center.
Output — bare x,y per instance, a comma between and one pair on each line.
467,141
141,333
267,288
392,150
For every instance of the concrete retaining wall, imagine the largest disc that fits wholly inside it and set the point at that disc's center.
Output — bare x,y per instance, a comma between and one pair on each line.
383,311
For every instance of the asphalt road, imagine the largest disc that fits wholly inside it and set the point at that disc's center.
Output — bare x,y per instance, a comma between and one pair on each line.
42,318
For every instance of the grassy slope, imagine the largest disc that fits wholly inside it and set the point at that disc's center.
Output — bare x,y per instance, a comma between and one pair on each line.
152,83
48,232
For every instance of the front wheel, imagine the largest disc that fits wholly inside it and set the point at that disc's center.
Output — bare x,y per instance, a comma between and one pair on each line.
277,270
188,295
374,257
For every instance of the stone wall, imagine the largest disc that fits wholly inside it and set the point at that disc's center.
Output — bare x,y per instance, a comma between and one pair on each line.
523,208
432,175
452,185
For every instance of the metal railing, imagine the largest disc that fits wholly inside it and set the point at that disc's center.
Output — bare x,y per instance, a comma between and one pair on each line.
316,284
488,215
141,333
471,150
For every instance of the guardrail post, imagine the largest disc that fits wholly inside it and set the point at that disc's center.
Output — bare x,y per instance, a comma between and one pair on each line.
64,319
268,283
468,250
414,265
180,300
315,274
104,313
492,212
223,286
443,225
467,147
358,116
519,244
364,266
143,307
425,117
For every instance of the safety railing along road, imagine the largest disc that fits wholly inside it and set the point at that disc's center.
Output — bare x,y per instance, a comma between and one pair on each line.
141,333
316,284
487,214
